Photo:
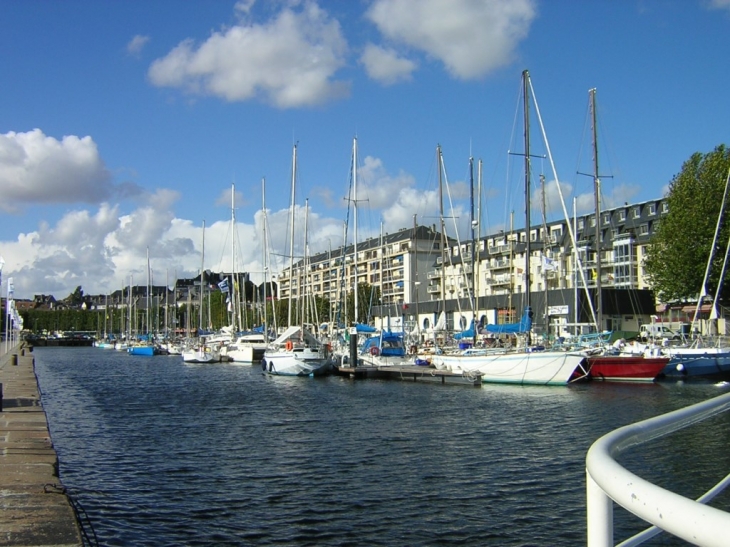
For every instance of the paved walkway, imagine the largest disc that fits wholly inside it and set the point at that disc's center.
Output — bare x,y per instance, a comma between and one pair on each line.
33,512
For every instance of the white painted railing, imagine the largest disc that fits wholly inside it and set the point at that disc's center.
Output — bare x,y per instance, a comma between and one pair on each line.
606,480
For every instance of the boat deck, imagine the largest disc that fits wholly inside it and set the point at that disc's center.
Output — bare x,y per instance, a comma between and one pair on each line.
412,373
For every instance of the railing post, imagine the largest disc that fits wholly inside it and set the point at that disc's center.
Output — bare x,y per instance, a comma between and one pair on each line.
599,515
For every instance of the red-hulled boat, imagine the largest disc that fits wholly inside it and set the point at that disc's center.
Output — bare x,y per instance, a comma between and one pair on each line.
625,368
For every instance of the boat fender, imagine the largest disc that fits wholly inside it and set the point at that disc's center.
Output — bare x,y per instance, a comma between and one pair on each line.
289,345
263,365
374,350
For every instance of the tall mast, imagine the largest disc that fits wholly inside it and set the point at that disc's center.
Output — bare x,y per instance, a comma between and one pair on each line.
147,296
264,246
234,296
479,233
526,109
291,231
439,161
354,218
304,296
597,202
202,265
473,249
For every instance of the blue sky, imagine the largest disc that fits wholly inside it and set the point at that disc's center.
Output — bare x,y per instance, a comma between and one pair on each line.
123,125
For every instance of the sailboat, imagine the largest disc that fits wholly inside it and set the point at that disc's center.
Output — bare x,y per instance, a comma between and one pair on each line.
145,344
296,352
203,351
709,363
527,365
383,348
611,364
250,346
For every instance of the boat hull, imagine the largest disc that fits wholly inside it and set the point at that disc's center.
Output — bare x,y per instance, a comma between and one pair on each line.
296,362
141,350
629,368
534,368
201,356
709,364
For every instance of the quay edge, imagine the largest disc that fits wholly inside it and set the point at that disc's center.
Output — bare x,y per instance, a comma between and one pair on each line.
35,508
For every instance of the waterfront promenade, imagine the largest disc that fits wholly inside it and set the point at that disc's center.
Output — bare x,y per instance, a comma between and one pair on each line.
34,510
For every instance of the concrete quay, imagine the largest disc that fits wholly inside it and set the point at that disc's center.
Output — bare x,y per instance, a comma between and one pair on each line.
34,510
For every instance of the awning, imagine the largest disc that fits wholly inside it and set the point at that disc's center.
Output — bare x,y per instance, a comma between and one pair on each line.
705,308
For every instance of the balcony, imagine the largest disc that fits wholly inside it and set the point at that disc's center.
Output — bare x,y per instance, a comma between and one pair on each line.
499,249
433,289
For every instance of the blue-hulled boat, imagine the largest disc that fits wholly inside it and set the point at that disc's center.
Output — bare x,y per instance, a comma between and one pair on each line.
697,363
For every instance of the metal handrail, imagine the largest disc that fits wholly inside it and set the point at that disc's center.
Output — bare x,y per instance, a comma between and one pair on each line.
606,480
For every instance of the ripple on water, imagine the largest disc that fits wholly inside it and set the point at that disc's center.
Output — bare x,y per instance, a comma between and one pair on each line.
160,453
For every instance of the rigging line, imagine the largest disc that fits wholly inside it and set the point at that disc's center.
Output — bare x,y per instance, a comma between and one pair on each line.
456,230
562,199
724,265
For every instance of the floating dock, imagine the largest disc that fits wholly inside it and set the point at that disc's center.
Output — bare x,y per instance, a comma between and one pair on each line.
411,373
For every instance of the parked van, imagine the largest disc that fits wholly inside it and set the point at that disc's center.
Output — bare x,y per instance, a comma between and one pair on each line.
656,331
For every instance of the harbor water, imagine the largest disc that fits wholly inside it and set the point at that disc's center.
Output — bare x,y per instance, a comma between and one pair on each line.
159,452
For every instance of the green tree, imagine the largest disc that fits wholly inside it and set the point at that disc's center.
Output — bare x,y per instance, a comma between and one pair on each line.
678,252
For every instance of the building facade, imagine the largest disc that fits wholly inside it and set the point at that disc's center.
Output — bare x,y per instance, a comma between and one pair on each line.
419,274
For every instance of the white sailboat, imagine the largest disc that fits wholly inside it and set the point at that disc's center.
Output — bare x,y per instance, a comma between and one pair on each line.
296,352
518,366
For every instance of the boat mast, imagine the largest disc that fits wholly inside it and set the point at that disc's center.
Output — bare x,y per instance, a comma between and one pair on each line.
354,218
439,162
304,296
526,108
202,265
473,250
263,252
147,296
597,203
478,257
291,232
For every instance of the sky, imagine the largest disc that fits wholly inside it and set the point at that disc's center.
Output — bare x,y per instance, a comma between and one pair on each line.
125,126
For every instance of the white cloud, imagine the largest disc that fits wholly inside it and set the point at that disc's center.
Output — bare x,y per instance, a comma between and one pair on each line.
35,168
289,61
136,44
471,37
718,4
377,186
385,65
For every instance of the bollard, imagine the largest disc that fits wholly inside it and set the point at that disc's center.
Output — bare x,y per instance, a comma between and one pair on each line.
14,359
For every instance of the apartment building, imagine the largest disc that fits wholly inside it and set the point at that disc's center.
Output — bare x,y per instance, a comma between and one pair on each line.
419,277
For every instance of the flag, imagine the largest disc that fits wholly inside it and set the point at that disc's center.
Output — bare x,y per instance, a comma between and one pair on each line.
223,285
548,264
11,287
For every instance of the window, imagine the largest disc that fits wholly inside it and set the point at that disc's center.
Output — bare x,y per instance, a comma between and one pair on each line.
593,222
652,209
636,213
581,224
607,218
622,215
614,232
643,229
665,207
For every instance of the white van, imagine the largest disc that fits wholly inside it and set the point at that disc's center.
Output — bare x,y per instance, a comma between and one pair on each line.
656,331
